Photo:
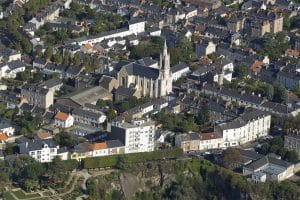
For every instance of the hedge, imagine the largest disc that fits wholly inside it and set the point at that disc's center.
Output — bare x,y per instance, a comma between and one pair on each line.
112,161
70,165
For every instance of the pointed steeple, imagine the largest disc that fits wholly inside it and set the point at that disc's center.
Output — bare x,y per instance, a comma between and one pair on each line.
165,51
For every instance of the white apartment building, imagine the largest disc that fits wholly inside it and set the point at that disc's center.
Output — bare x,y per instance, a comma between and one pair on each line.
252,124
41,150
135,26
138,135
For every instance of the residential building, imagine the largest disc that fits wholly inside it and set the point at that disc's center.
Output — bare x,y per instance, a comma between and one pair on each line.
7,128
10,69
188,142
53,84
87,117
289,77
138,135
204,48
251,125
179,71
3,139
135,26
210,140
82,150
249,100
292,142
63,120
100,149
268,168
37,96
41,150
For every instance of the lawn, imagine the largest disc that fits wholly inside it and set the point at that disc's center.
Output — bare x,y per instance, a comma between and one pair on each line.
21,195
8,196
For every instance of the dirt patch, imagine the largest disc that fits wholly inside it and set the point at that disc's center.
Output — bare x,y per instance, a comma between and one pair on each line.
130,184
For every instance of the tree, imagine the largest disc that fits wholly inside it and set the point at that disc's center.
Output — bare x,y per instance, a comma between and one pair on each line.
187,51
291,156
297,90
242,71
66,139
264,149
280,93
286,22
37,77
231,157
203,115
111,114
24,76
39,53
49,53
57,58
269,91
76,59
66,58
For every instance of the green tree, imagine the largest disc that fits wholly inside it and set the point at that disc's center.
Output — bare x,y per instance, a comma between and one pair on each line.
291,156
37,77
57,58
24,76
203,115
297,90
76,59
280,93
111,114
66,58
66,139
264,149
49,52
242,71
231,157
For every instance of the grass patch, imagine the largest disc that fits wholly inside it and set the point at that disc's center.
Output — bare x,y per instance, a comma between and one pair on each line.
21,195
8,196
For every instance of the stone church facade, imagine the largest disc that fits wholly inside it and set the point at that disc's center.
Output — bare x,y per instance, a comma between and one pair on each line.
153,82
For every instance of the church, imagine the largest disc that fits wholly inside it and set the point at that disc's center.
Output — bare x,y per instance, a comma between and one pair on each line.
146,76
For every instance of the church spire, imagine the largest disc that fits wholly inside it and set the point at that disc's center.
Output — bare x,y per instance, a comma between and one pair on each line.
165,51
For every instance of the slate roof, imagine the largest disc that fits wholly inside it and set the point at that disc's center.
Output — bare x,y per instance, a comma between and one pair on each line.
114,143
37,144
123,91
36,89
148,61
51,83
85,113
268,160
179,67
142,71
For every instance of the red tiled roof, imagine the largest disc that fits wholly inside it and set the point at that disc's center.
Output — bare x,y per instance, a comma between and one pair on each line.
61,116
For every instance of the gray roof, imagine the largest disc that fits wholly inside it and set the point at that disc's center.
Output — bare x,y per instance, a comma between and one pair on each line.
35,88
148,61
123,91
142,71
190,136
268,160
85,113
51,83
179,67
114,143
36,144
